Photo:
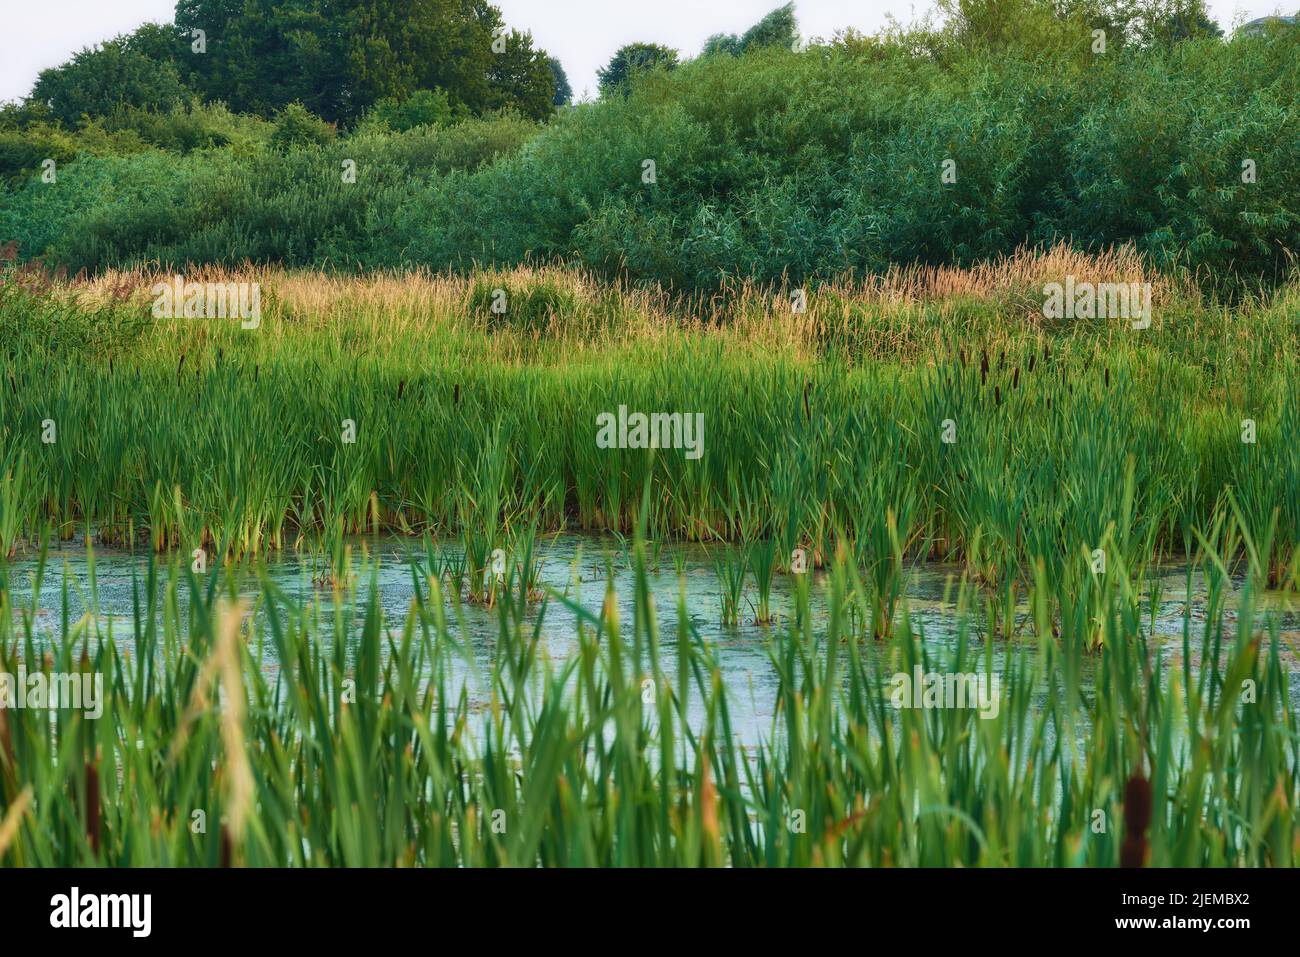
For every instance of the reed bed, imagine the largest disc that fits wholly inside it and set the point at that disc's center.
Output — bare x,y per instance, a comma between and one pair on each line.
940,396
364,749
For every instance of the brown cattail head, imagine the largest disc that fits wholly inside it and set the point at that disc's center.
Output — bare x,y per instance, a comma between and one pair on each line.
1137,818
92,806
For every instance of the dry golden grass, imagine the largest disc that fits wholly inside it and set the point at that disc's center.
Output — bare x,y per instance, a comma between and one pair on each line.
906,314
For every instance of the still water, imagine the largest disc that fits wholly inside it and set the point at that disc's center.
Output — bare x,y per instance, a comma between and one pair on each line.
578,567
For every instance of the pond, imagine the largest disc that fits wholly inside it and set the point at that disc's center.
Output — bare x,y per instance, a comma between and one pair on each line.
576,567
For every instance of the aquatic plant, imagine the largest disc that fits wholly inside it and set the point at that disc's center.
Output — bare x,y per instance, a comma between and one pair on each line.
374,747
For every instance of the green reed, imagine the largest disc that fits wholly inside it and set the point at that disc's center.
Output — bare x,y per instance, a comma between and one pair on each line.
997,440
368,744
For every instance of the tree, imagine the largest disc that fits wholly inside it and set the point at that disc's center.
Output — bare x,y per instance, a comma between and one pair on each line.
100,80
260,55
1171,21
634,58
520,78
163,42
778,28
723,43
563,91
341,57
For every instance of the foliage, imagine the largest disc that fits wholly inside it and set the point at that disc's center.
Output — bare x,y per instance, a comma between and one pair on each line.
1000,130
421,108
296,126
340,59
563,91
99,80
632,59
1046,418
778,28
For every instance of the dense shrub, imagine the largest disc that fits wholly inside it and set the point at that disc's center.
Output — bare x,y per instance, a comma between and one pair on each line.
295,125
773,165
24,152
422,108
190,128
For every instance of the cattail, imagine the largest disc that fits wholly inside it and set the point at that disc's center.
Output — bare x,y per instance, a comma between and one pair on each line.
401,387
1137,816
6,749
984,367
961,354
456,395
92,806
997,396
1033,357
179,365
1108,377
1015,378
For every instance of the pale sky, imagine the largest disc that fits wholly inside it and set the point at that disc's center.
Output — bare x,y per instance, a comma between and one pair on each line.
582,33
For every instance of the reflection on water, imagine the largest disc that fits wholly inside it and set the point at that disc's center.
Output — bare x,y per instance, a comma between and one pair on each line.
577,567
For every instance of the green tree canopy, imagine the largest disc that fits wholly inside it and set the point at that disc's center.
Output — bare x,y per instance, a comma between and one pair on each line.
341,57
634,58
563,91
99,80
778,28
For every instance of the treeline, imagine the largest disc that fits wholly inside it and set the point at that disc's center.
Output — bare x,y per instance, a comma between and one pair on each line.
337,58
768,157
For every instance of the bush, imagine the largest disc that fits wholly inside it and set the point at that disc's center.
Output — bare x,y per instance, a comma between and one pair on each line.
774,165
422,108
296,126
23,153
